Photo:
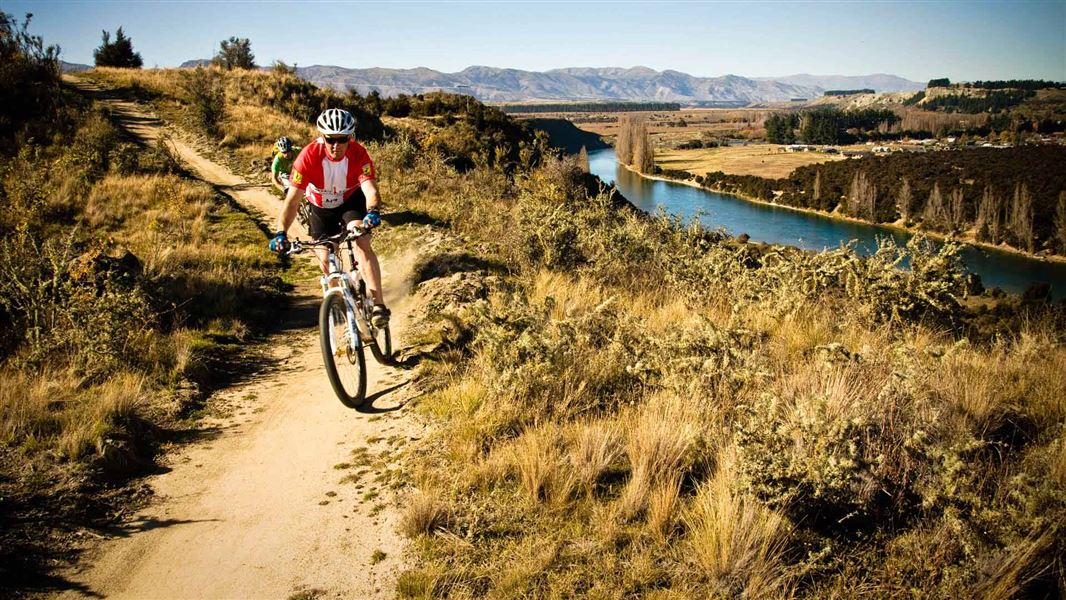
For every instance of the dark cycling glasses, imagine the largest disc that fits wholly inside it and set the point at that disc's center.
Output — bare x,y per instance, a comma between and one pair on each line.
335,140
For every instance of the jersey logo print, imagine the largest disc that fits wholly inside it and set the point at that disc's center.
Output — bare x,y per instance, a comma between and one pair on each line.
297,177
366,170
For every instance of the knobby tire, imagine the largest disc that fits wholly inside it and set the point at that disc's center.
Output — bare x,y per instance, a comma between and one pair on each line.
381,344
347,358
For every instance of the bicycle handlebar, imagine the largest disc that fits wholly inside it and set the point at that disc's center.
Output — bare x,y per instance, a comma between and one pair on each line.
296,246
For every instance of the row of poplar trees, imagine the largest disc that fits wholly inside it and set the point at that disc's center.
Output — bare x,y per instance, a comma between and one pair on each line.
996,219
634,147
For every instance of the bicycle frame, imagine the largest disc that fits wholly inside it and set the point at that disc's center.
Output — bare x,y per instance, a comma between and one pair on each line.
346,280
341,281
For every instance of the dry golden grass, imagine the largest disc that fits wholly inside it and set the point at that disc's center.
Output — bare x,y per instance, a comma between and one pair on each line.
1006,577
593,446
733,537
166,82
424,514
151,203
1057,468
251,130
987,386
63,411
539,461
762,160
663,504
659,440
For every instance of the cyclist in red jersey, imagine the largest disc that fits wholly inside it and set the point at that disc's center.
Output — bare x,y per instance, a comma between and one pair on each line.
336,176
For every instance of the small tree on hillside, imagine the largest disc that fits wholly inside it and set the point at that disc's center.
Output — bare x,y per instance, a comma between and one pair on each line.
118,53
208,97
30,72
235,53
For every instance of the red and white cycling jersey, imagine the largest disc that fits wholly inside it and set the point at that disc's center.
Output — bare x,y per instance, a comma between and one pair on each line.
326,182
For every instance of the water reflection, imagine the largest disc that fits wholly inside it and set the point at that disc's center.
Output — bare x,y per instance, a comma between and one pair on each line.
778,225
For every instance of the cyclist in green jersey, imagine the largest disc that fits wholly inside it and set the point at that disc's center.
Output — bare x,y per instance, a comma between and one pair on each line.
284,154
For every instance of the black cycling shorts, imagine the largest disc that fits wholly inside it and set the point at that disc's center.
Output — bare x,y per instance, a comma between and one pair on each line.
325,222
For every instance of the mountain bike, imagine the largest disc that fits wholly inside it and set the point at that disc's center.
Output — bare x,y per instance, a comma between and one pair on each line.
344,319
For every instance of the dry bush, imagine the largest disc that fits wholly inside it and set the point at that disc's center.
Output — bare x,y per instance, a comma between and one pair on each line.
836,441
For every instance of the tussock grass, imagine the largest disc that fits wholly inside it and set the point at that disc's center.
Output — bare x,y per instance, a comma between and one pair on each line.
542,470
659,442
423,515
733,537
64,411
663,504
592,448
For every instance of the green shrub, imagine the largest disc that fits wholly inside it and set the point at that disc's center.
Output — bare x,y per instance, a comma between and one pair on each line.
207,97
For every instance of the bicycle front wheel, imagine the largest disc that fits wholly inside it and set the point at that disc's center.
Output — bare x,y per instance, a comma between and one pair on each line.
343,355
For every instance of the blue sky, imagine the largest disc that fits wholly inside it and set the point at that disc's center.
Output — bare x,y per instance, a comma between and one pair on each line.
918,40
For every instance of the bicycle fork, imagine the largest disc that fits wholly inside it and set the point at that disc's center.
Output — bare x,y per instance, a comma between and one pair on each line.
342,287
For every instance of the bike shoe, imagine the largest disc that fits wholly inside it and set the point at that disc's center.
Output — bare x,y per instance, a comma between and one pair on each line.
379,315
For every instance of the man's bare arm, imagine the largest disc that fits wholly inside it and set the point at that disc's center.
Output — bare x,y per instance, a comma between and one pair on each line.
289,209
370,190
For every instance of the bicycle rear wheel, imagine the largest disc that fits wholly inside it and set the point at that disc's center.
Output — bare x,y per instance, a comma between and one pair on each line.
304,214
343,356
381,344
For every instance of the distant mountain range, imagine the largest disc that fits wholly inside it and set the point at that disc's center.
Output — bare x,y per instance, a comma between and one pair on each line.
492,84
636,84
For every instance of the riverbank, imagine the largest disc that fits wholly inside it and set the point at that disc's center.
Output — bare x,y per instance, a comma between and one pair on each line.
969,239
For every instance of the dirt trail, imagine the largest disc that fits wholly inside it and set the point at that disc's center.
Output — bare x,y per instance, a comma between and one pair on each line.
261,508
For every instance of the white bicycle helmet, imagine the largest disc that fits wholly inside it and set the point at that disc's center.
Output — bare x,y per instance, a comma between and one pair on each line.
336,121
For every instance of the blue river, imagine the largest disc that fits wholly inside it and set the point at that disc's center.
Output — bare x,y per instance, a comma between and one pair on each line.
776,225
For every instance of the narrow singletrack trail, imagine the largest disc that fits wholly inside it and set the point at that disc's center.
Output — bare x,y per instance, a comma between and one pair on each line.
269,501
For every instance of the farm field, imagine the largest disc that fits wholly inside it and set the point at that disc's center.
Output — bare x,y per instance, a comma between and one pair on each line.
763,160
669,128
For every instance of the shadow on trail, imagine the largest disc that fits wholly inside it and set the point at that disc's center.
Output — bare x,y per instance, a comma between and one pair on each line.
47,584
141,525
368,407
